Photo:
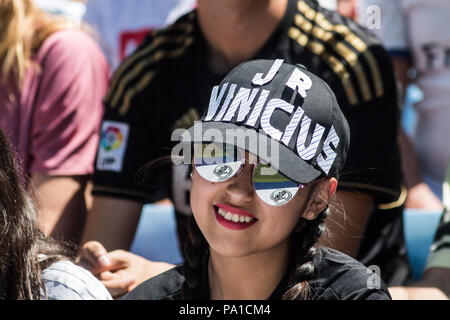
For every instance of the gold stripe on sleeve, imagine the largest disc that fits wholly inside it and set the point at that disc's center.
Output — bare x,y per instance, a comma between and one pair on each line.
145,80
334,63
161,38
351,38
122,82
340,48
397,203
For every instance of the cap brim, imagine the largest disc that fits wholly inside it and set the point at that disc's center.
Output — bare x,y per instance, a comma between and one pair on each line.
287,161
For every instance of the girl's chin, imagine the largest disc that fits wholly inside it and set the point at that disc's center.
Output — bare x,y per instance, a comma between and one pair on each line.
226,248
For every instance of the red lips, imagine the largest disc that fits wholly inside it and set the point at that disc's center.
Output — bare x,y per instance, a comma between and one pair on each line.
233,210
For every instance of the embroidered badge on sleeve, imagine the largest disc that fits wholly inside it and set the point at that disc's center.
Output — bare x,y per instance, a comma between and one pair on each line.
112,146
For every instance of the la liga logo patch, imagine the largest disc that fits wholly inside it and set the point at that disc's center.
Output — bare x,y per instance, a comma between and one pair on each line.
112,146
112,138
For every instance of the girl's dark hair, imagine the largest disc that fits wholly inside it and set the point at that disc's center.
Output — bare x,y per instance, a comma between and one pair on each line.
24,250
301,266
196,254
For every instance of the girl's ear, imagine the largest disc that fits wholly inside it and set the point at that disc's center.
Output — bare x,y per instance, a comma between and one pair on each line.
320,198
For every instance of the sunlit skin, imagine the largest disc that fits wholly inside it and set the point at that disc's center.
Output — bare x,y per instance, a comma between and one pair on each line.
259,251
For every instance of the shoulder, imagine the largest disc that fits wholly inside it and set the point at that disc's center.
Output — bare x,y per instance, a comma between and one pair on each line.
155,56
165,286
341,277
352,52
65,280
72,51
70,41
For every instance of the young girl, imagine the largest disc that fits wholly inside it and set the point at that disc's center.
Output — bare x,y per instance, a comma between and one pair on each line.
261,193
32,265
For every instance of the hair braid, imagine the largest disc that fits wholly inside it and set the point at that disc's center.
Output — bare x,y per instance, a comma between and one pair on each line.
302,243
196,256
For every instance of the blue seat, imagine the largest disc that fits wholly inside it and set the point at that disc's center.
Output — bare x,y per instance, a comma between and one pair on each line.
419,227
156,237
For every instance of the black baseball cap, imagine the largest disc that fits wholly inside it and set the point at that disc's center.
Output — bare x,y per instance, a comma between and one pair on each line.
294,113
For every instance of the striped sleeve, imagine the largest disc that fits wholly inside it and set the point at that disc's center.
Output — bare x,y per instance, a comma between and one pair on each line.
440,249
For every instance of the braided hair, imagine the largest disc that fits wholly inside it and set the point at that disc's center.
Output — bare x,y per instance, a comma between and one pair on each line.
196,253
302,265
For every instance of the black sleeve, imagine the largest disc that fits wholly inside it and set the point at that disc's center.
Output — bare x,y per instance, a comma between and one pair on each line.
130,140
165,286
373,162
361,294
340,277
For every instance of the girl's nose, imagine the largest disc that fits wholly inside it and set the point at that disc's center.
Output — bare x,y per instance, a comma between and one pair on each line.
240,188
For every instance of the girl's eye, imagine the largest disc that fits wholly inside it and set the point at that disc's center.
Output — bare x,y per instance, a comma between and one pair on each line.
272,187
215,164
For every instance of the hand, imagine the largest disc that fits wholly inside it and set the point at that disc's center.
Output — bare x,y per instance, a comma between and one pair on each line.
127,266
120,271
94,257
421,197
416,293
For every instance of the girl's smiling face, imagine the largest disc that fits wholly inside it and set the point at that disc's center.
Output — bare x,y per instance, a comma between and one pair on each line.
236,223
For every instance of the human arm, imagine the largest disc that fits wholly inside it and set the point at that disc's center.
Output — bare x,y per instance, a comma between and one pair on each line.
419,193
62,205
112,222
64,129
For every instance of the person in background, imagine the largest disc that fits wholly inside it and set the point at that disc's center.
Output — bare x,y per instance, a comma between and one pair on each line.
122,25
163,86
52,80
413,34
32,265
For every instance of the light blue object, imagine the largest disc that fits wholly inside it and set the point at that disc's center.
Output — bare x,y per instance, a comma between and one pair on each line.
409,116
156,237
419,227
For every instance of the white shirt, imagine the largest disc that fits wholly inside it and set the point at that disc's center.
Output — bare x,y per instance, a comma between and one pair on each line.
121,25
65,280
69,8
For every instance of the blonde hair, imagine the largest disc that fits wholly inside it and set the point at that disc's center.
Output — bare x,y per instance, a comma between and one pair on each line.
23,29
